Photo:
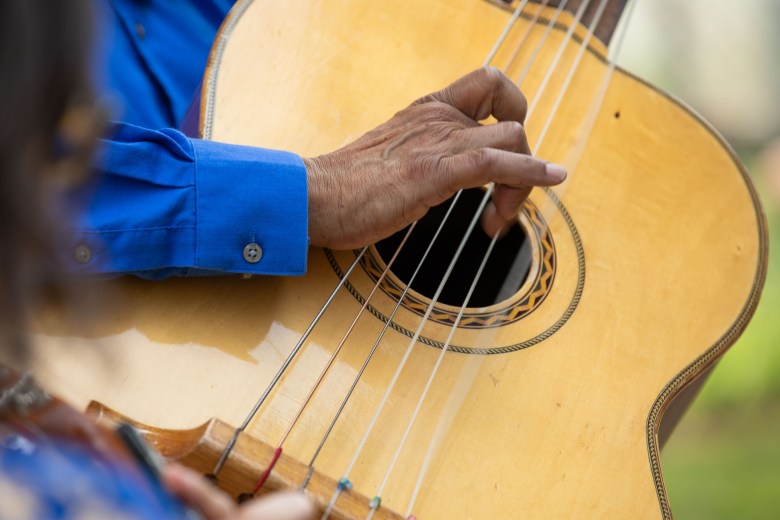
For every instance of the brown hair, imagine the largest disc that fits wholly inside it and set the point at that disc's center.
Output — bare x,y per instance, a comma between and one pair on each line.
45,133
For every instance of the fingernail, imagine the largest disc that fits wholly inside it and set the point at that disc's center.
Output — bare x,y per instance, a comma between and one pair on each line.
556,171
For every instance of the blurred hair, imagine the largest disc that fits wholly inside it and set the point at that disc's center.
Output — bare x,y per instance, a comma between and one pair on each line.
46,131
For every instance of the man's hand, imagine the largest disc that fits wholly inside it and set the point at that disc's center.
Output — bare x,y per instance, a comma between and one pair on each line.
392,175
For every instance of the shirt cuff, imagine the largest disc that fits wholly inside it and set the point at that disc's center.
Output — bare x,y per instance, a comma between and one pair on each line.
251,210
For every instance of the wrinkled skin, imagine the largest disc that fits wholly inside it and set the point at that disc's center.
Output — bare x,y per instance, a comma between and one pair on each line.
392,175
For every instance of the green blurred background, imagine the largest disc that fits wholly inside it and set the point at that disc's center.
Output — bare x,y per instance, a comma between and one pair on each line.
723,58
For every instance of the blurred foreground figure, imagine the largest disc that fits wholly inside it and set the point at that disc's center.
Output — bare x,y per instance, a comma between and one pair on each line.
54,461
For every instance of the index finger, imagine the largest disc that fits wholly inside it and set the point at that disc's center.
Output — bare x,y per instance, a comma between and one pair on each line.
483,93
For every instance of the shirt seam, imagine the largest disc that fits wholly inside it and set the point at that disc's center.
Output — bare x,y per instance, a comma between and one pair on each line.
196,244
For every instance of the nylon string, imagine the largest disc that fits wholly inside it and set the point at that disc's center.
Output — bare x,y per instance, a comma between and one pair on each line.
574,67
526,34
543,39
435,370
554,66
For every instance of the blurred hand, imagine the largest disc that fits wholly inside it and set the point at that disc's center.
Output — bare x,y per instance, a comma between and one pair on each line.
200,494
392,175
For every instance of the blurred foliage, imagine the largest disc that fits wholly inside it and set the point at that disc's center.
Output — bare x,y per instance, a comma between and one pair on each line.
750,370
725,465
723,461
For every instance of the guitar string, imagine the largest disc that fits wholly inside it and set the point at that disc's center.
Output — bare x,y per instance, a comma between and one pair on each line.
302,407
502,37
455,399
526,34
414,339
540,44
226,452
348,332
344,481
579,147
521,263
371,354
231,444
573,159
615,49
400,299
574,67
558,55
377,501
564,88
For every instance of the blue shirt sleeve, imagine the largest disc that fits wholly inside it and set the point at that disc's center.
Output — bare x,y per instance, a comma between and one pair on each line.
167,205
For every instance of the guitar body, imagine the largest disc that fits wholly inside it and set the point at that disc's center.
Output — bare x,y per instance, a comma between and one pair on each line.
646,266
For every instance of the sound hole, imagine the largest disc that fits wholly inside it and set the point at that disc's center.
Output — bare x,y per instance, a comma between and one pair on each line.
504,274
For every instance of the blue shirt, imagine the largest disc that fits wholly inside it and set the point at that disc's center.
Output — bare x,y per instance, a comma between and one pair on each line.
167,204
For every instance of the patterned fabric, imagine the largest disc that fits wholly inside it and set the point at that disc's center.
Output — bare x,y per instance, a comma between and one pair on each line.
63,480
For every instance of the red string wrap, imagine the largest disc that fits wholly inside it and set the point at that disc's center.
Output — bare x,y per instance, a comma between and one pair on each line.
268,470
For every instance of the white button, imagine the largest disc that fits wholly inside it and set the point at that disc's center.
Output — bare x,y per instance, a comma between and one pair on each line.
83,254
253,253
